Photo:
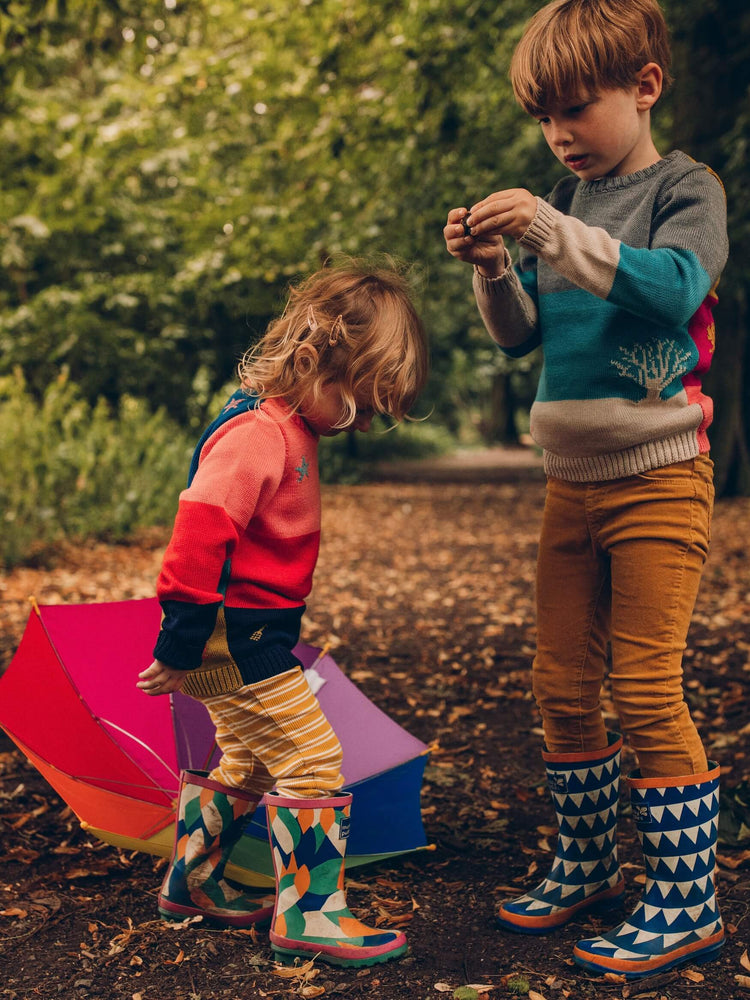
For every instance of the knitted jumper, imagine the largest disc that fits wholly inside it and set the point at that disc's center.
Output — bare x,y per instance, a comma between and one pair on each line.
616,281
240,561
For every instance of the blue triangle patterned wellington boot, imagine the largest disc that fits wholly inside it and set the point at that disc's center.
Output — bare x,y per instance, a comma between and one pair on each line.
210,820
677,919
585,873
308,844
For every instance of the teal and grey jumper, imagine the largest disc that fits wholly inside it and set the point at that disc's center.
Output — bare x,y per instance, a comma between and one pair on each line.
616,280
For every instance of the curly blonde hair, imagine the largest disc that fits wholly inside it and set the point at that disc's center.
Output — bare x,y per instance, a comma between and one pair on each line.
571,48
349,323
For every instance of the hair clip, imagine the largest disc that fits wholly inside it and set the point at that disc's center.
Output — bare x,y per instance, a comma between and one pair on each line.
337,331
311,321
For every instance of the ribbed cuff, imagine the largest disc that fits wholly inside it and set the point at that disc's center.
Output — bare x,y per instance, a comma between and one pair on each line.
621,464
268,662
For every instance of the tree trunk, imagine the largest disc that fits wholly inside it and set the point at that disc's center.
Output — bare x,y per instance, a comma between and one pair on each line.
711,122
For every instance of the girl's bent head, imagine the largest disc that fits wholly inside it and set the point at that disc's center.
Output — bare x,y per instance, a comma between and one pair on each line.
574,48
350,326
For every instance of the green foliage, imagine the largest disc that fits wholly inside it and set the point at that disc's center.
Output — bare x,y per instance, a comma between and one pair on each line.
172,167
72,469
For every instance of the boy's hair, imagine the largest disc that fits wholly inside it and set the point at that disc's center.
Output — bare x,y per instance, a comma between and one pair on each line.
349,323
573,48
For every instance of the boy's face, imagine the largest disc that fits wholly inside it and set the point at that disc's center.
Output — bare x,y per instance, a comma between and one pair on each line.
606,134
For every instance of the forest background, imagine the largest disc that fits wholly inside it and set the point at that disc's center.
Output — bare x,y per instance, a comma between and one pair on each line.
169,167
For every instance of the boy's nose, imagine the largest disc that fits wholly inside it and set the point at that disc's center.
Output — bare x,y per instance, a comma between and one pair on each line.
561,136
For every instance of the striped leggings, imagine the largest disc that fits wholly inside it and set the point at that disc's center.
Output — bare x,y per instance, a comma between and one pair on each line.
273,732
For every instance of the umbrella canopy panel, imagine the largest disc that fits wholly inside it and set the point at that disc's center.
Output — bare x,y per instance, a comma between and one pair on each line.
69,701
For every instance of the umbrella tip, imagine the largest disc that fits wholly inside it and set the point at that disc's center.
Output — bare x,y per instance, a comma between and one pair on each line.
34,605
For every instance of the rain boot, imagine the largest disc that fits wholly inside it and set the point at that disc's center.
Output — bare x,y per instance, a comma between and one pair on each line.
677,919
585,873
210,820
308,844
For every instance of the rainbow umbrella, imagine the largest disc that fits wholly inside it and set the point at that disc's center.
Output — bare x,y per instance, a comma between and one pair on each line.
68,700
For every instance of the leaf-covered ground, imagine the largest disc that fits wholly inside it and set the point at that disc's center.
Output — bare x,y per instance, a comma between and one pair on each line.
425,590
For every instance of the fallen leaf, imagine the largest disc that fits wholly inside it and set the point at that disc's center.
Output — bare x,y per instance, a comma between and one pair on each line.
295,971
694,977
745,961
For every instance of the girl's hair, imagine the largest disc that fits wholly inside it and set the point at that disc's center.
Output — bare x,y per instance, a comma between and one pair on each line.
573,48
351,324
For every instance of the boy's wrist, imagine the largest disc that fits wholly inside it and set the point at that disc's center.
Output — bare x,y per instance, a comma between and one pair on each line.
491,272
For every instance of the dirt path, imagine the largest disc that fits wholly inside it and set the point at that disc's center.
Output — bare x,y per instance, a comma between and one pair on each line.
425,590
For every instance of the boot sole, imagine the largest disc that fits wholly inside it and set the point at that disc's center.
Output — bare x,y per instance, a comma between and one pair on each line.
288,955
176,913
701,953
602,902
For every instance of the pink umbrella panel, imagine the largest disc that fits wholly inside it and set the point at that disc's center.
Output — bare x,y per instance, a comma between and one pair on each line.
68,700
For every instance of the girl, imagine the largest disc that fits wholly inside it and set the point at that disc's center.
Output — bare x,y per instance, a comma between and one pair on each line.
232,588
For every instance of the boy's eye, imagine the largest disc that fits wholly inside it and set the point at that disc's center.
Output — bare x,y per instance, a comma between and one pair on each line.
543,121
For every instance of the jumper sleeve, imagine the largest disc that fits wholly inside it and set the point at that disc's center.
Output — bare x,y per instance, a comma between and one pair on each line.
508,307
665,282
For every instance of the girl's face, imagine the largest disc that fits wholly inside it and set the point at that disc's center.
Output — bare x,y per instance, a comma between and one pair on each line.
326,411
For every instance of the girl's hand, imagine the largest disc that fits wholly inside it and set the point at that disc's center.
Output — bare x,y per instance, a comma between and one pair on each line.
161,679
487,251
504,213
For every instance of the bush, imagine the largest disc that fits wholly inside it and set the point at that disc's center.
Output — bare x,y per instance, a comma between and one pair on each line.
72,470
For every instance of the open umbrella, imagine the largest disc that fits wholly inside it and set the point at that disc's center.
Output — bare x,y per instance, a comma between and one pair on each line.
68,700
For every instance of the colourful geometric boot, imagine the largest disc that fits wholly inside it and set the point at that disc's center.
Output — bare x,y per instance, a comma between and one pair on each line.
585,874
308,843
677,919
210,820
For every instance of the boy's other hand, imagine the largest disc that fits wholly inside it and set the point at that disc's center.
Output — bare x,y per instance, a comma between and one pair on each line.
487,251
160,679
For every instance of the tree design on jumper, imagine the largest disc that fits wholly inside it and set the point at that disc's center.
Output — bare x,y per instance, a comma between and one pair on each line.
653,365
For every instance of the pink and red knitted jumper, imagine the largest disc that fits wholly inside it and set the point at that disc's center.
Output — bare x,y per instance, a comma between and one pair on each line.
240,562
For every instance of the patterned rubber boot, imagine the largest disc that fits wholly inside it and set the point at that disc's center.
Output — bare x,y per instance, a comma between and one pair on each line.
210,821
585,873
677,919
308,844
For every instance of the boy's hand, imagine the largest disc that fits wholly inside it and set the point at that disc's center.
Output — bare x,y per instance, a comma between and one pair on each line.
487,252
504,213
161,679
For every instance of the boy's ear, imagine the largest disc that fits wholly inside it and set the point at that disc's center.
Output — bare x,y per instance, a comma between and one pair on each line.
649,82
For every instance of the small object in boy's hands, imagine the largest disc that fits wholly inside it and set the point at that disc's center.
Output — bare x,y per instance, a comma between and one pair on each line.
467,225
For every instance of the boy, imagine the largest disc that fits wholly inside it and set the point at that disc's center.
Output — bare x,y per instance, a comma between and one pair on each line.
616,276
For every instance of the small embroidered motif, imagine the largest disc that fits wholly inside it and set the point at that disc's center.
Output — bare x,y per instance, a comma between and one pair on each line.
711,334
557,783
232,405
641,813
344,828
303,469
258,634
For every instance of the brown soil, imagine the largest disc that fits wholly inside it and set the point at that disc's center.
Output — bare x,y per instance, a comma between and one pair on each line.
426,592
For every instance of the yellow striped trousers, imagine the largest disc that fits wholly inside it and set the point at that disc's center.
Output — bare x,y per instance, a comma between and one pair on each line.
274,732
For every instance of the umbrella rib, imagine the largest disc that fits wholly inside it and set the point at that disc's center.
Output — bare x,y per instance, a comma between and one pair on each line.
141,744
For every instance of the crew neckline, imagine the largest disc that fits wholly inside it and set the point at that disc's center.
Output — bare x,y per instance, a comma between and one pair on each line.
627,180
